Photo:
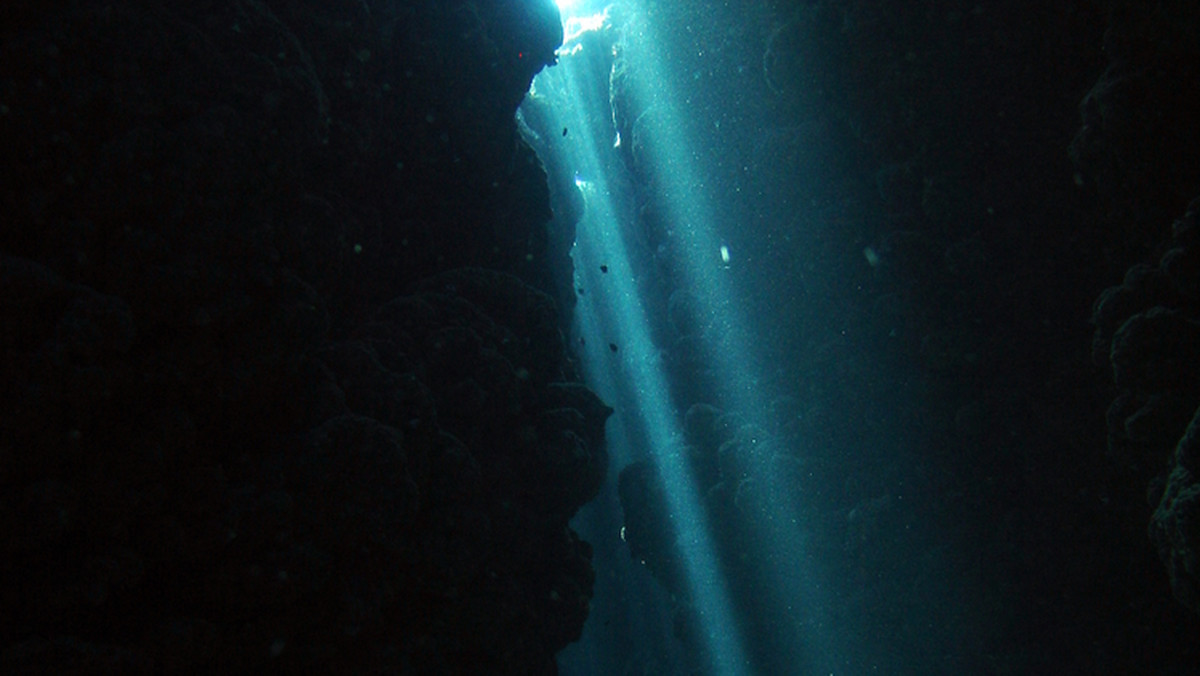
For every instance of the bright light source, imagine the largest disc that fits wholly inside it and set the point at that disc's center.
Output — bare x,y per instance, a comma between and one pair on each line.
576,26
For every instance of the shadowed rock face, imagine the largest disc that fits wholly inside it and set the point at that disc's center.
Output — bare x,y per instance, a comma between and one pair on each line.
1148,334
237,430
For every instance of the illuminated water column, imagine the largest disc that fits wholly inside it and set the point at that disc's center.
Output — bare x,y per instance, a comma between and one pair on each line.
800,597
620,360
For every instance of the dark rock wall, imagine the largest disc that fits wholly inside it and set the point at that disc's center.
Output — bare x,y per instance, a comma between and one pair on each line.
281,387
1136,143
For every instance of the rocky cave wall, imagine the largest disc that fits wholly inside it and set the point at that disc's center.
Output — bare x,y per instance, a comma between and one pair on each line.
283,387
1136,142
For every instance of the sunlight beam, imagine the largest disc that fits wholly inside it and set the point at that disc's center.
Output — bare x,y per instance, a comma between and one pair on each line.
800,597
612,314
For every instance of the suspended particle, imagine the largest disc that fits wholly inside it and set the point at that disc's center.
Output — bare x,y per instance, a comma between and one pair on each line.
872,256
564,131
604,269
612,346
579,291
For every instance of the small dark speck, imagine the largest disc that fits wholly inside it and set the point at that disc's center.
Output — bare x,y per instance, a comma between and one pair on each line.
579,290
612,346
582,341
604,269
564,131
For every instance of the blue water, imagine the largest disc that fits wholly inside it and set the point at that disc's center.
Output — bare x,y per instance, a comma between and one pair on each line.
709,201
